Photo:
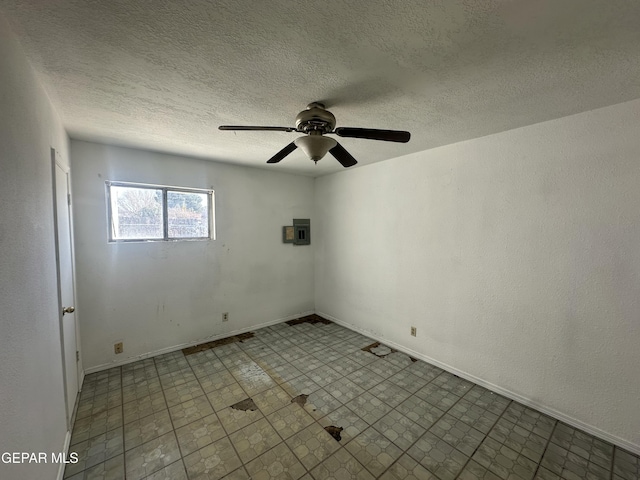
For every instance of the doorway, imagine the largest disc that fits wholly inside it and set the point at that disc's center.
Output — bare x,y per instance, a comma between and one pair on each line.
66,292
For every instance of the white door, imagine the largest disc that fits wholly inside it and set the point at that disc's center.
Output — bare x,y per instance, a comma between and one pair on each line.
65,285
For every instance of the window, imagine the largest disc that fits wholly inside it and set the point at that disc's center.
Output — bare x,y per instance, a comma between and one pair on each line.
153,212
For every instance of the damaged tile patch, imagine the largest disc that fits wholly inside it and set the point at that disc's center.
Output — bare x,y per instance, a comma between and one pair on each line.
300,399
217,343
246,404
334,431
380,350
312,319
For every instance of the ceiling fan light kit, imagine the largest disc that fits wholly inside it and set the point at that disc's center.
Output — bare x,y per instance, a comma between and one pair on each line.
315,146
315,122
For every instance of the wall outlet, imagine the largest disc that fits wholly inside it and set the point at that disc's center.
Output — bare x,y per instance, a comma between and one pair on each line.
413,331
225,317
118,348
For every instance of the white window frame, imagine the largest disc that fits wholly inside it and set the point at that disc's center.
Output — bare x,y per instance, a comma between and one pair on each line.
165,213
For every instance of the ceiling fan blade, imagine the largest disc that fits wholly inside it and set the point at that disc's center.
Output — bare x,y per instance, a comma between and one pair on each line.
282,153
374,134
244,127
343,156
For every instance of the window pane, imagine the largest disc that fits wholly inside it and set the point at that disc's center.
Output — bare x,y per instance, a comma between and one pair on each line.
188,214
136,213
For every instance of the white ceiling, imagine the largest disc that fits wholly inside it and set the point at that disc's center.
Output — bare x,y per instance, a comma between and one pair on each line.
162,75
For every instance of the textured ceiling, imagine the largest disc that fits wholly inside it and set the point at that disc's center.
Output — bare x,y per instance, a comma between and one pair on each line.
162,74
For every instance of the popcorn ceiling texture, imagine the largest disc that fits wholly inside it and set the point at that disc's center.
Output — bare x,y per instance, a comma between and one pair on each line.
163,75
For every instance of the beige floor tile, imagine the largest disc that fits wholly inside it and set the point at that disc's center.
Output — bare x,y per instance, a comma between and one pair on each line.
341,465
271,400
406,468
369,408
252,378
99,403
312,445
209,367
141,389
175,471
177,377
144,406
233,419
239,474
183,393
352,425
399,429
112,469
300,385
214,461
199,433
374,451
344,390
95,450
290,420
141,431
217,380
321,403
97,424
279,463
226,396
255,439
187,412
152,456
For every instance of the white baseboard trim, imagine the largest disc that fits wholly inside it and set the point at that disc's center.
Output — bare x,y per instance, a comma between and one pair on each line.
608,437
106,366
65,449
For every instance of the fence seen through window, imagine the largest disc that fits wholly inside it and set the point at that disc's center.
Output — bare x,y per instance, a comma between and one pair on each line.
153,212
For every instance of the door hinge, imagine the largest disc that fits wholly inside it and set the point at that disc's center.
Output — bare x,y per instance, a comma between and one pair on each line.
68,199
77,356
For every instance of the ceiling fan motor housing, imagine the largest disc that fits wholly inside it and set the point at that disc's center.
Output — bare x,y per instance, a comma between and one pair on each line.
315,119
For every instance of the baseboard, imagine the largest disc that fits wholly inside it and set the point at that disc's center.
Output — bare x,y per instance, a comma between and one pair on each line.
210,338
620,442
65,449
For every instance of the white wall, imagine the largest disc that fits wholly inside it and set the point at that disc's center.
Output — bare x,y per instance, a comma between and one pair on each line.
516,256
32,408
159,295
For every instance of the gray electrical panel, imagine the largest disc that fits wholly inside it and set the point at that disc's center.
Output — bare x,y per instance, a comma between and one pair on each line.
301,231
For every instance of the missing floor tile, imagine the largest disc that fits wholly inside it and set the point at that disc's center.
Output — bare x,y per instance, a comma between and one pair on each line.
217,343
245,405
379,350
300,399
334,432
312,319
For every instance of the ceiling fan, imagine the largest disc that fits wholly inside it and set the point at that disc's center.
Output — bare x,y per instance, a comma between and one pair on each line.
315,122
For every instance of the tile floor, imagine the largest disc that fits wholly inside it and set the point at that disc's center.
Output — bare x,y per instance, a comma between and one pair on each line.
173,417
